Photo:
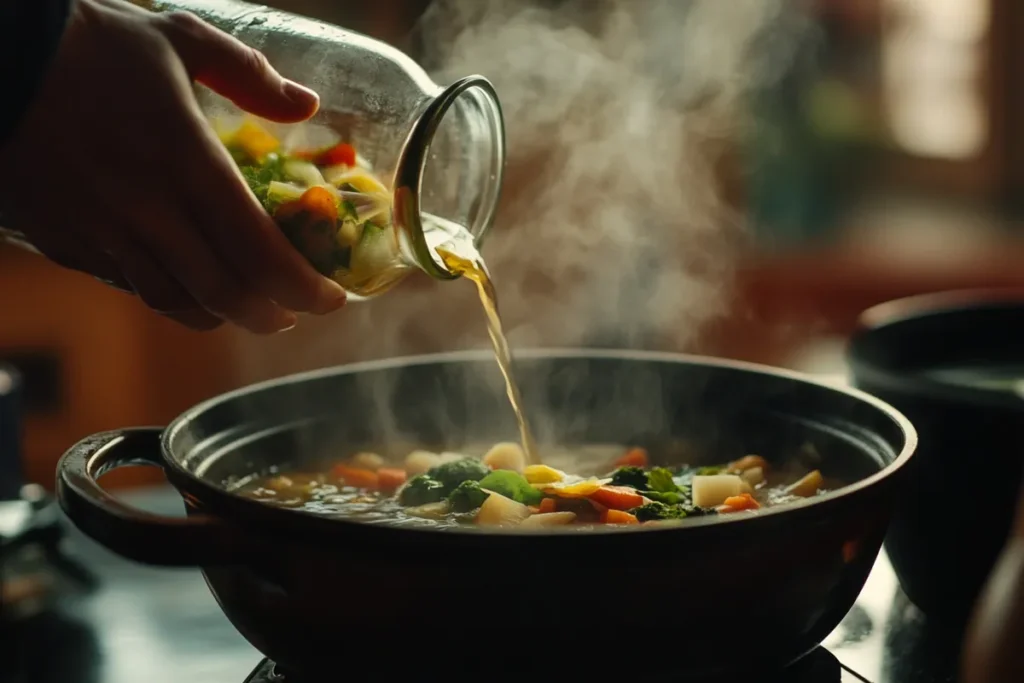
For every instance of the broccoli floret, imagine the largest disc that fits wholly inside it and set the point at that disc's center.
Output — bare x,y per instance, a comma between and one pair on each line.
630,476
258,175
512,485
421,490
453,473
655,510
467,496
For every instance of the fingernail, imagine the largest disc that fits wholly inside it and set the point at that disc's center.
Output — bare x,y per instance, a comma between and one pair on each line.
287,321
300,93
334,293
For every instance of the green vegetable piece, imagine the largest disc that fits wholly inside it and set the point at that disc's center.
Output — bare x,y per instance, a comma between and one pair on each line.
348,209
376,250
655,510
667,497
259,176
512,485
660,479
709,471
453,473
421,490
630,476
467,496
659,510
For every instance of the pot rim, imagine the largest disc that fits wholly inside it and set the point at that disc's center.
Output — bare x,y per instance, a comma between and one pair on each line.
212,498
911,309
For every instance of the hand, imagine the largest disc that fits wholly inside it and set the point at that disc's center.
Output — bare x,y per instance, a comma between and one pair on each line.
115,172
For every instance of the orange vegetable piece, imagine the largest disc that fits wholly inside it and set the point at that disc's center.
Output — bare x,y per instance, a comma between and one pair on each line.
744,501
548,505
390,478
747,462
354,476
634,457
341,153
618,497
618,517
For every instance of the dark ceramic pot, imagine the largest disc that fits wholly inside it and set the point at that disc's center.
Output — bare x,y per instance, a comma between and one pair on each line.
313,593
959,500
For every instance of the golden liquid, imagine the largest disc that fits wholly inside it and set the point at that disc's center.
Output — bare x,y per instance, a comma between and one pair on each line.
470,265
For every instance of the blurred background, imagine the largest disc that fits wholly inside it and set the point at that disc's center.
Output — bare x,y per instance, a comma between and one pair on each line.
886,163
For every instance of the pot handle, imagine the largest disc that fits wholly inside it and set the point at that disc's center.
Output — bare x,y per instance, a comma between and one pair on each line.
196,540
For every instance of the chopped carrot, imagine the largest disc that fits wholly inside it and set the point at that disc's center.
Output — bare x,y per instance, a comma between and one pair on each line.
744,501
353,476
618,517
341,153
548,505
618,497
390,478
747,462
316,200
634,457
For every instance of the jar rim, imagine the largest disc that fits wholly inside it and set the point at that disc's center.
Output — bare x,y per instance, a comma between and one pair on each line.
409,172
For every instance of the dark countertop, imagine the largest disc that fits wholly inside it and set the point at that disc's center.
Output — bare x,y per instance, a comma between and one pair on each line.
147,625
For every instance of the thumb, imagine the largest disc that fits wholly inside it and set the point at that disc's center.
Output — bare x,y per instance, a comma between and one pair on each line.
236,71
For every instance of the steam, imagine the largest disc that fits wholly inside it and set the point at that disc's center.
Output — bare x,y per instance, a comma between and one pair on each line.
612,230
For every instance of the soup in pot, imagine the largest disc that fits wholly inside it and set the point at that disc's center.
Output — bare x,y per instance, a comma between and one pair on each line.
501,490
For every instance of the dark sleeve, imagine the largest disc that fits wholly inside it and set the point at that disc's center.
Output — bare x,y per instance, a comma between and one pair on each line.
30,31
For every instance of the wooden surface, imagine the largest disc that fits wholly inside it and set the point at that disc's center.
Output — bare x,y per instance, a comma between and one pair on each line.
121,365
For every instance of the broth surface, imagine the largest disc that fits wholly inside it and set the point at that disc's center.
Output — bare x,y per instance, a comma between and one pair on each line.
501,490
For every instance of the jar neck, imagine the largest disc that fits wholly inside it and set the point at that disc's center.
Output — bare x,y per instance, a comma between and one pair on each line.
410,169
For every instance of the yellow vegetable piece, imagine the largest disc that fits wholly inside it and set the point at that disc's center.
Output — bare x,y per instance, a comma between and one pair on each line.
542,474
357,178
578,489
256,140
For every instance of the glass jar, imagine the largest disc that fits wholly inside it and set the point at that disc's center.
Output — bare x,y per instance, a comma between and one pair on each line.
441,148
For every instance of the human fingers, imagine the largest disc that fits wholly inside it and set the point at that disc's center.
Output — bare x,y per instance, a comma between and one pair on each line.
162,230
238,72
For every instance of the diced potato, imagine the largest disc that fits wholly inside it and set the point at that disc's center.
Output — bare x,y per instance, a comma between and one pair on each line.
747,462
546,519
367,461
280,483
712,490
498,510
418,462
506,456
429,510
542,474
449,456
753,477
807,486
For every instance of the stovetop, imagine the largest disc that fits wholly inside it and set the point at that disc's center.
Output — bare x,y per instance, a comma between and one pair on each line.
163,626
820,666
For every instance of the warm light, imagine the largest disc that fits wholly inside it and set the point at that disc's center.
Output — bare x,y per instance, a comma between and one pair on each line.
932,61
